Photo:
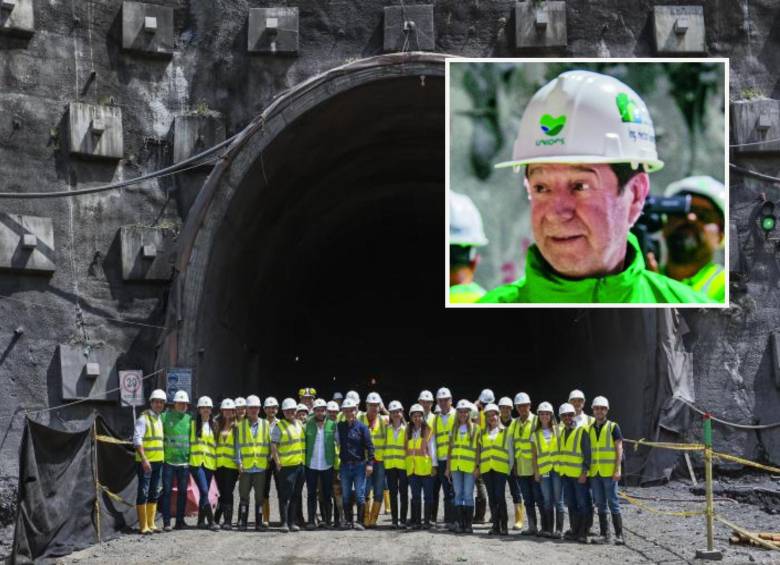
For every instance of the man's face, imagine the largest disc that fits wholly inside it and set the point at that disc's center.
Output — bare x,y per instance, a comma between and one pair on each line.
445,404
600,413
695,237
349,413
372,409
157,405
319,413
579,220
567,419
240,412
333,415
289,415
180,407
270,412
578,403
523,410
253,412
426,404
506,412
308,401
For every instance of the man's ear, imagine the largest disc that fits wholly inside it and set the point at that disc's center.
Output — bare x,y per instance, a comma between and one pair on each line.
637,188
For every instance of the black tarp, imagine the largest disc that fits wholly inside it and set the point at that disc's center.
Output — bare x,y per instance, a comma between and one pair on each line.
57,490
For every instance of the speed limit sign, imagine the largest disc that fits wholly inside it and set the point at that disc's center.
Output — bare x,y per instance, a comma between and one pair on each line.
131,387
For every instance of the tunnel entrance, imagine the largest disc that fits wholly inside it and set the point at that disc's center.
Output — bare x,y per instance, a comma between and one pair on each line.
314,258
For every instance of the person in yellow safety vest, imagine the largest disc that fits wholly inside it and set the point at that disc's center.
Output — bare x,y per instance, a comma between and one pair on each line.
462,469
496,459
426,401
522,428
577,399
334,410
375,484
544,448
395,464
505,417
302,413
271,408
148,444
466,235
240,403
288,449
306,396
693,239
203,459
443,423
480,506
227,469
253,446
420,467
574,460
606,444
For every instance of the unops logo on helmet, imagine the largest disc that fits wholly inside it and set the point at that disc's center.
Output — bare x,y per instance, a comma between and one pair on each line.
630,111
552,126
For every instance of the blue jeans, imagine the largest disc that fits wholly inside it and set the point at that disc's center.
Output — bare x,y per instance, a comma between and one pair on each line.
376,481
353,474
421,485
577,497
202,478
552,491
148,483
532,493
182,474
463,484
605,492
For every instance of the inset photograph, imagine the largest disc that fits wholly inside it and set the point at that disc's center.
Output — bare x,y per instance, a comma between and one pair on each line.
587,182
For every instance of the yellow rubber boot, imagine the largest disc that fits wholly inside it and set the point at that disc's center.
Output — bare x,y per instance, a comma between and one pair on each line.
519,517
141,510
266,512
387,501
375,508
367,512
151,513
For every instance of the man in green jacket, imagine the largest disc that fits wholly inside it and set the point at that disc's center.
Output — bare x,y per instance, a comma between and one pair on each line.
176,444
320,433
587,144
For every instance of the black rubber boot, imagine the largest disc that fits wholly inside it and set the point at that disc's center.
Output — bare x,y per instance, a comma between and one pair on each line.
201,517
348,524
435,507
361,512
495,518
327,512
416,523
604,536
227,512
468,516
218,513
574,526
450,522
460,519
394,510
404,510
530,519
582,531
504,521
213,526
480,507
283,509
558,525
617,522
427,516
547,522
336,517
292,517
243,516
259,525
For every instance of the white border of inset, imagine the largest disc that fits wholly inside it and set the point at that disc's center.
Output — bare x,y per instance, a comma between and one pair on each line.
723,60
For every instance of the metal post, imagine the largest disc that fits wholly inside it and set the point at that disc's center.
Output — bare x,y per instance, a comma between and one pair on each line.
711,553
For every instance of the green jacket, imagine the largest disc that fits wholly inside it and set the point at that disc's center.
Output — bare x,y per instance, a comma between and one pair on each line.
466,293
635,284
176,436
330,440
709,280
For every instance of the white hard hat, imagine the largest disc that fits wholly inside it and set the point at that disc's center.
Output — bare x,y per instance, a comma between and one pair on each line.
464,404
338,396
227,404
474,411
320,403
158,394
703,186
332,406
416,408
426,395
252,401
289,404
373,398
348,403
491,408
585,117
181,396
505,401
240,402
465,222
576,394
442,393
271,402
566,408
522,398
302,408
395,405
487,396
354,396
600,401
545,407
205,402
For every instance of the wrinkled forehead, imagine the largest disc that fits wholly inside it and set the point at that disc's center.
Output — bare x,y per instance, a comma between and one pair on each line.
542,169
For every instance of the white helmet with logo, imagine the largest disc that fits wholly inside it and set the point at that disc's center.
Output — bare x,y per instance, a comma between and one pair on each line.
703,186
544,407
320,403
522,398
253,401
348,403
227,404
373,398
505,401
354,396
487,396
332,406
566,408
600,401
465,222
240,402
181,396
271,402
426,395
158,394
443,393
491,408
416,408
585,117
395,405
576,394
302,408
289,404
205,402
464,404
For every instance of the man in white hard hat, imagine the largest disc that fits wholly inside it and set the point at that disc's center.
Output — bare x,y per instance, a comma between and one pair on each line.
375,485
692,240
574,461
356,455
252,445
505,407
522,428
176,431
481,500
355,397
577,399
149,455
466,236
606,445
320,458
426,401
442,428
271,409
587,143
240,403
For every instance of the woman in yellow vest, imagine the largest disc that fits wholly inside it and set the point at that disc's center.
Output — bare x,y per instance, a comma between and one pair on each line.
496,459
288,449
395,464
574,465
462,470
227,470
148,444
420,466
203,459
606,444
544,455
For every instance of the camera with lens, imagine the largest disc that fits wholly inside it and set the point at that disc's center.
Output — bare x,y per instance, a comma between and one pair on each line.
652,220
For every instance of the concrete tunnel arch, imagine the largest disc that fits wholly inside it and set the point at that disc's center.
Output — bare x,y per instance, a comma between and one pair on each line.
313,256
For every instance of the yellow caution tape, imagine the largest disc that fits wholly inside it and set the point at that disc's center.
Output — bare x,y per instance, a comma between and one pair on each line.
643,506
748,462
115,496
666,445
109,439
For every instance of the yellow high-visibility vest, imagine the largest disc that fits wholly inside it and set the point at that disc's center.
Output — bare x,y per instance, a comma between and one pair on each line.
152,440
463,453
418,462
570,456
442,432
521,438
378,433
546,452
494,454
602,449
254,450
292,445
203,450
226,450
395,450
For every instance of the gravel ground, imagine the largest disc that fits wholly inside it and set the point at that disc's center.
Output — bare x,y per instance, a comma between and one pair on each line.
650,538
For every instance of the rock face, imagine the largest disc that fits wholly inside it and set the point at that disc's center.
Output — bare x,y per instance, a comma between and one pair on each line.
79,52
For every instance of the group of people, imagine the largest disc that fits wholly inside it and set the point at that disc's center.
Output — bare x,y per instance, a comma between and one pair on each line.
348,457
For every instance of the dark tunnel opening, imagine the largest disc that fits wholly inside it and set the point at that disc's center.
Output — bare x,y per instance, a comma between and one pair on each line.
328,272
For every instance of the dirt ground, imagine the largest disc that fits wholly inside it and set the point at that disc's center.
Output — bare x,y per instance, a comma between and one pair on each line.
650,538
